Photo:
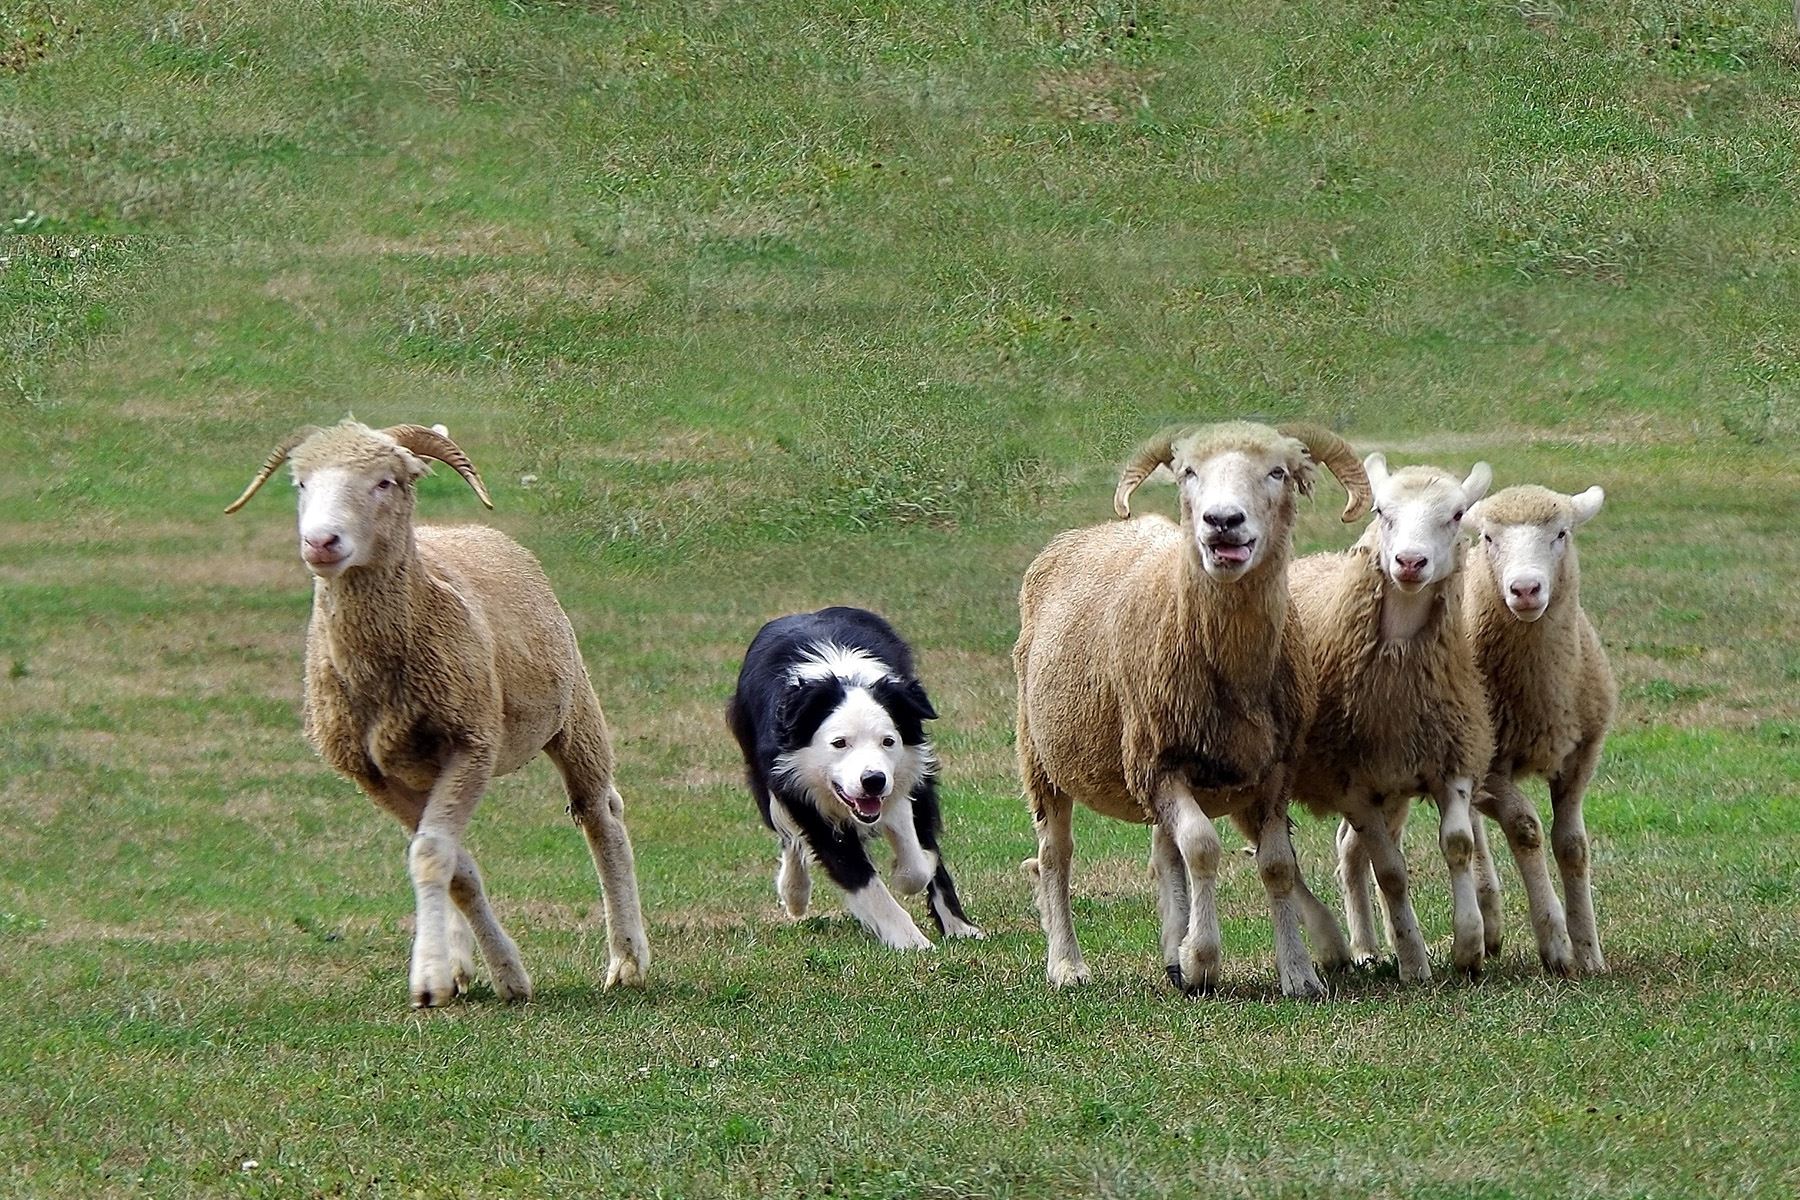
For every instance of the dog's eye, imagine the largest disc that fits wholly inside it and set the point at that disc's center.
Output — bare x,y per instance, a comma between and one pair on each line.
839,743
887,742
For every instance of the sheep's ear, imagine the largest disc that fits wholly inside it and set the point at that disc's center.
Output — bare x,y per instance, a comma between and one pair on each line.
1472,518
1375,467
416,467
1481,477
1587,504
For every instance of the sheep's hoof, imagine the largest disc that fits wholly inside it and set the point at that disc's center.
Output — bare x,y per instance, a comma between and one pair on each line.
433,997
1179,982
1591,962
1199,971
1491,945
512,984
962,929
625,971
1416,973
1558,959
1065,973
1305,987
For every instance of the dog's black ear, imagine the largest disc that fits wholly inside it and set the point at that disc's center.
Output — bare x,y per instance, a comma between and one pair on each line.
907,703
804,706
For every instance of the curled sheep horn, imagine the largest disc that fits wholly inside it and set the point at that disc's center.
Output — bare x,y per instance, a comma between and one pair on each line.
276,457
1152,454
429,443
1326,447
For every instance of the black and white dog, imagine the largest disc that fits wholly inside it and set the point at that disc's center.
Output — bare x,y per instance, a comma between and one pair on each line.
831,720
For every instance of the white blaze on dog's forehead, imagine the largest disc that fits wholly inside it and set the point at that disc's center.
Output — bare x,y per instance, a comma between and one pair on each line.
826,660
859,718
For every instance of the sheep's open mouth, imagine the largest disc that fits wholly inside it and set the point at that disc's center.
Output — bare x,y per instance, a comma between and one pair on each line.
866,809
1231,555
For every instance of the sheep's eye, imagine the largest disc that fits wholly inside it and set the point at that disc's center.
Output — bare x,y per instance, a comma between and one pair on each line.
1488,538
384,485
1278,474
1456,516
887,741
839,743
1561,534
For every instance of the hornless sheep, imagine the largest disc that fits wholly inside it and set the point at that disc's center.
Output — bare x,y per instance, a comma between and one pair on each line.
1402,711
438,658
1551,693
1164,679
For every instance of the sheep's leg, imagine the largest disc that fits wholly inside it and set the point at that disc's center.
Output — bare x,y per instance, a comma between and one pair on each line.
1280,871
1329,949
1171,899
1487,888
1371,826
1569,841
462,948
940,894
1054,815
1198,844
1398,809
432,861
1456,840
1525,837
582,754
1353,880
476,919
839,850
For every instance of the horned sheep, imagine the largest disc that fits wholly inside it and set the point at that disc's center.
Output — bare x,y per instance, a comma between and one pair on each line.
1402,710
436,659
1552,696
1164,679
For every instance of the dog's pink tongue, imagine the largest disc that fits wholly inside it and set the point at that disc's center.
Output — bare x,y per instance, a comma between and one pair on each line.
868,806
1232,554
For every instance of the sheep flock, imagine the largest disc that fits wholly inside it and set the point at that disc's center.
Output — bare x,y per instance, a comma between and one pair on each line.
1170,672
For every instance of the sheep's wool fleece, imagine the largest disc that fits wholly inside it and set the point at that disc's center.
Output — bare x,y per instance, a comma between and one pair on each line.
1550,686
462,645
354,445
1393,716
1133,665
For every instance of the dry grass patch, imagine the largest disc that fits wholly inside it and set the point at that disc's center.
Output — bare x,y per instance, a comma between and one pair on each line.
1103,93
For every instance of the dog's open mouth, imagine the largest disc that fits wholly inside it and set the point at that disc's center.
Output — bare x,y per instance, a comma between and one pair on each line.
866,809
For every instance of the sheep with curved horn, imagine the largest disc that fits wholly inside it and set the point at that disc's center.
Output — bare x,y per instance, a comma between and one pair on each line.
1164,679
436,659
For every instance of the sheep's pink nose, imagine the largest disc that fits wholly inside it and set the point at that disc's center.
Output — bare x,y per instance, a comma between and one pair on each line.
323,545
1526,591
1412,564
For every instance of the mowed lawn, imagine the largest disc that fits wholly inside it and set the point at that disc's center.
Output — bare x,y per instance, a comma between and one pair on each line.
743,309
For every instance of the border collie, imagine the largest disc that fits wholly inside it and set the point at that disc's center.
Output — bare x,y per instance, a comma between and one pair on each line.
831,721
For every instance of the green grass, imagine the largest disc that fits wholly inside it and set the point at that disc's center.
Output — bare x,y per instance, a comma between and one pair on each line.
743,309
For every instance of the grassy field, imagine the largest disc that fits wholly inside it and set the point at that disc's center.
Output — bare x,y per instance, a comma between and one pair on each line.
748,308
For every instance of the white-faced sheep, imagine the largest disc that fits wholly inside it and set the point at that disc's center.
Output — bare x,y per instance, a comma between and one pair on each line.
438,658
1402,710
1164,679
1551,693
